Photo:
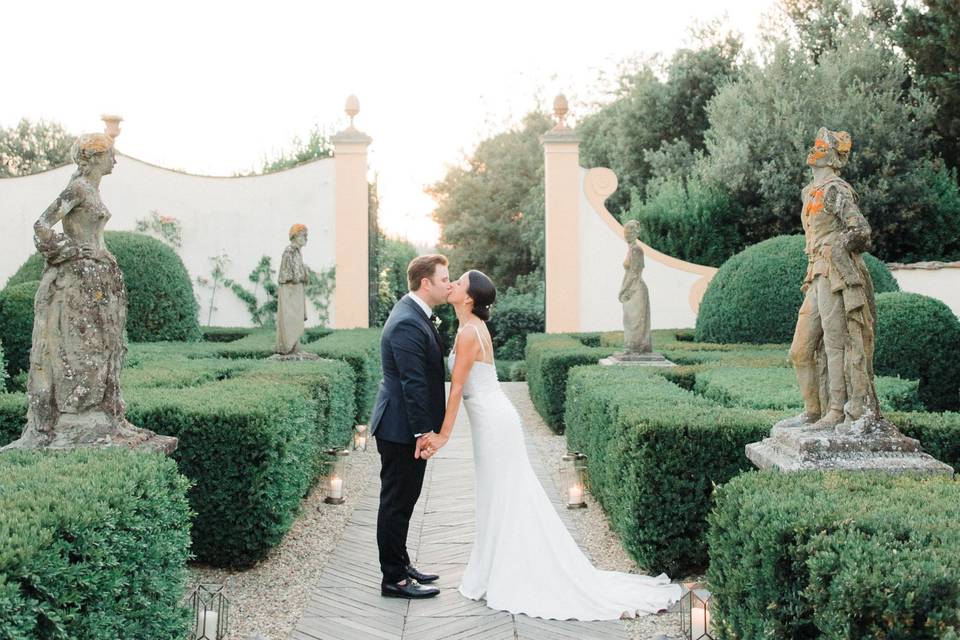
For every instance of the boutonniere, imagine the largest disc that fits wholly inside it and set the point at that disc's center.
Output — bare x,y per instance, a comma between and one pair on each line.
435,319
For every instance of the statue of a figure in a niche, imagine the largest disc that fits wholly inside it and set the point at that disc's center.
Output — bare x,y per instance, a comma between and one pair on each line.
73,386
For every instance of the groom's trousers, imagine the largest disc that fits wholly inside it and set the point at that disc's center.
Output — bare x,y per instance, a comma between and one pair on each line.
401,478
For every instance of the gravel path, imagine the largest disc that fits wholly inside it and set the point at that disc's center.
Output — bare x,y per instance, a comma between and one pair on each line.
268,599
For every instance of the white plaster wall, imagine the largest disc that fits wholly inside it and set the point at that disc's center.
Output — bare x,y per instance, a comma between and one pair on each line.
942,283
602,252
245,218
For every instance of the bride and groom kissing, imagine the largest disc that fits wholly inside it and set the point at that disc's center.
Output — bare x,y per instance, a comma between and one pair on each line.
523,559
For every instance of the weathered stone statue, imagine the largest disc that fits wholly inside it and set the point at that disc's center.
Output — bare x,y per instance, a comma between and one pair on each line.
841,426
634,295
292,297
73,386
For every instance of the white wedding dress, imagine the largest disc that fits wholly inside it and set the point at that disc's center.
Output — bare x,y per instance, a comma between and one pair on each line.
523,559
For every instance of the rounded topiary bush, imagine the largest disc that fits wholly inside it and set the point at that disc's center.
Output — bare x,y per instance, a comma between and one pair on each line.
16,324
160,301
918,337
755,295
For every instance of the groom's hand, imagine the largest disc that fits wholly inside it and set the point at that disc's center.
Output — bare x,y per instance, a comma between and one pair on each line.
421,451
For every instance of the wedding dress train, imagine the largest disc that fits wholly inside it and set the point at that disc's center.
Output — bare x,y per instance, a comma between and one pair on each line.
523,559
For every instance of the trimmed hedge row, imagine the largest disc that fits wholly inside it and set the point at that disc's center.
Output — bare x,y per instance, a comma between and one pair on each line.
654,453
777,388
836,556
3,369
251,436
549,359
360,348
16,324
94,546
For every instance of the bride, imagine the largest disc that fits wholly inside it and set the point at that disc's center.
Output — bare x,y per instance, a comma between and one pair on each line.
523,559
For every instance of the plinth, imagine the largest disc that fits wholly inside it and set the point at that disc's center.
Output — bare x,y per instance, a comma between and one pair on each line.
637,359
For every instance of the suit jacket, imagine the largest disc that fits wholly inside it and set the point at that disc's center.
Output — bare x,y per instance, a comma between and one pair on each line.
411,395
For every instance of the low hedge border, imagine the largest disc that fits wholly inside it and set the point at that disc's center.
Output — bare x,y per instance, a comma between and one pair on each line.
94,545
655,452
251,437
835,556
360,348
549,359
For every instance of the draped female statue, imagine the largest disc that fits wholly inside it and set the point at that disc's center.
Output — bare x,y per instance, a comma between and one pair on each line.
634,295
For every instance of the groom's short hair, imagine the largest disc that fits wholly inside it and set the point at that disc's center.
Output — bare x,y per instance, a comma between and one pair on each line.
423,267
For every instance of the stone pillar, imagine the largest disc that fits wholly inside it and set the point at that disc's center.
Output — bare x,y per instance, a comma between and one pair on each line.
561,154
350,301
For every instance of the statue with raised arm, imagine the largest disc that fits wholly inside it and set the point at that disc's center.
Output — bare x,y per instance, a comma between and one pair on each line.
73,386
833,343
292,298
634,295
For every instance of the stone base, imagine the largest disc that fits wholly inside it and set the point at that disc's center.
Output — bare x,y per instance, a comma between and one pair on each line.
296,356
637,359
93,429
859,446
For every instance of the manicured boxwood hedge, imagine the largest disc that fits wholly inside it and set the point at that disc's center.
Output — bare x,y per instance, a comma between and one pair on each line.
3,369
654,453
251,435
549,359
836,556
94,545
919,337
360,348
16,324
755,295
777,388
225,334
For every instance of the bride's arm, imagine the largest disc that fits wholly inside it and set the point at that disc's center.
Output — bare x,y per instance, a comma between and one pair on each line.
468,346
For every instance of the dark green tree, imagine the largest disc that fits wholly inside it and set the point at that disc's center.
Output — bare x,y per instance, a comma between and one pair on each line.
32,147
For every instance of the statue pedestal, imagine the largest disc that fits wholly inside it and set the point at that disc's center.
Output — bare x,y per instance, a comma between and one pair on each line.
96,430
637,359
846,448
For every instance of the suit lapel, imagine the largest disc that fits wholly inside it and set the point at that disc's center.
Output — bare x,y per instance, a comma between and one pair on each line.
417,310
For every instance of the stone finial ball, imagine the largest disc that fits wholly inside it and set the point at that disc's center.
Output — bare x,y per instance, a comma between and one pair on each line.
352,107
560,106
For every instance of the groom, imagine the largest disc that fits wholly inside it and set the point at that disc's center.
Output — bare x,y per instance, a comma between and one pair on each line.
410,402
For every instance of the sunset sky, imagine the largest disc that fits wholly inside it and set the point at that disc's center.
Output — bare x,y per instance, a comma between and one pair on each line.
214,87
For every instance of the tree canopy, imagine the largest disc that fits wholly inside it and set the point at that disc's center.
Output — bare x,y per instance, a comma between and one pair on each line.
32,147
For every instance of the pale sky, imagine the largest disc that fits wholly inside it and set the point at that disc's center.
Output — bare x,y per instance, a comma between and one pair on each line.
212,87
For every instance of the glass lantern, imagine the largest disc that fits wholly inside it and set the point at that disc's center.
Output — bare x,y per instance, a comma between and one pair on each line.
360,438
211,611
695,613
334,481
573,476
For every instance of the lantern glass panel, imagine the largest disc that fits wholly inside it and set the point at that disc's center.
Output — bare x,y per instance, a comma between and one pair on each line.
573,478
360,437
210,609
335,477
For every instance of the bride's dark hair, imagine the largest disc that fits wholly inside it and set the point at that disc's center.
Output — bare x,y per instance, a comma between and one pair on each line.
481,289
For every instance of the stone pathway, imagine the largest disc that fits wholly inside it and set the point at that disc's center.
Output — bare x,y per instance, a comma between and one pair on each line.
345,601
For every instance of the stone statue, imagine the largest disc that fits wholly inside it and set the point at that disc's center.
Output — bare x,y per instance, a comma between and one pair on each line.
73,386
634,295
833,343
841,427
292,297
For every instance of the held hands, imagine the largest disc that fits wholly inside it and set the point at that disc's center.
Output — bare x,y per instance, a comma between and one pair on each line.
428,444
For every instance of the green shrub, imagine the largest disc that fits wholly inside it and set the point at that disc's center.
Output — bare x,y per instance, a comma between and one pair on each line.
835,556
777,388
938,433
654,453
515,316
16,324
919,337
224,334
94,546
160,301
3,369
13,416
549,358
755,295
360,348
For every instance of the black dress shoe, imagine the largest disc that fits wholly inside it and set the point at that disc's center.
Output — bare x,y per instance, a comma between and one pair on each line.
422,578
411,590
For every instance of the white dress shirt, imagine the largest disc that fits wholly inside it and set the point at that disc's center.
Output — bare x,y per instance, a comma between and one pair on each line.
423,305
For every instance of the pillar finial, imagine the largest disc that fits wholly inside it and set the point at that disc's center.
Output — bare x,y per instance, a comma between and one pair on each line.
352,108
111,124
560,110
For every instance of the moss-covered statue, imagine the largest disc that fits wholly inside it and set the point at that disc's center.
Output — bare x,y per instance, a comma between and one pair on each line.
73,386
634,295
292,298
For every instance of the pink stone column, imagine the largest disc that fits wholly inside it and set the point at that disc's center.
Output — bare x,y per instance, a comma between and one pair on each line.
350,301
561,152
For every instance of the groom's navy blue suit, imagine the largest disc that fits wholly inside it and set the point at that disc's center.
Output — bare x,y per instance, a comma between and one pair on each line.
410,400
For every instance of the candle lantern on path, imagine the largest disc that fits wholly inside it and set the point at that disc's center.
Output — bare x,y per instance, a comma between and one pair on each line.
360,438
210,609
335,478
695,613
573,475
